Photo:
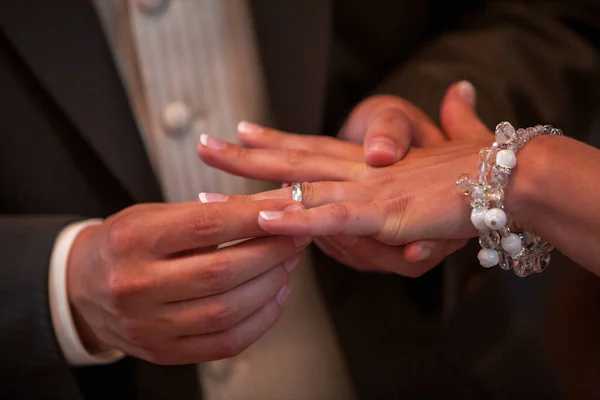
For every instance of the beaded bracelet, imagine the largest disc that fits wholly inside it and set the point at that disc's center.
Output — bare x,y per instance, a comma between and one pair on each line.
523,252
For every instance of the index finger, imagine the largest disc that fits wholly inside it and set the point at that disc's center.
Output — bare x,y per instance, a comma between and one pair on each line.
194,225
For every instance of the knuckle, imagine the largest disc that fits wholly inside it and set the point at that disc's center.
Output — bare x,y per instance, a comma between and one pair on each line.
297,157
394,210
122,290
222,315
121,237
208,223
339,213
230,345
217,275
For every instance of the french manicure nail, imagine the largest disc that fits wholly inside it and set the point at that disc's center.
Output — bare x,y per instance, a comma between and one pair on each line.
383,145
270,215
467,92
212,197
248,128
212,142
302,241
424,254
284,294
292,263
346,240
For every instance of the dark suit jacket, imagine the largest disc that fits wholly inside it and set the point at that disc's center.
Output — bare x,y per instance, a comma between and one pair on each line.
69,149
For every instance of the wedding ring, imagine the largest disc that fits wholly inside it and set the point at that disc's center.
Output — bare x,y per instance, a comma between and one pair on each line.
297,192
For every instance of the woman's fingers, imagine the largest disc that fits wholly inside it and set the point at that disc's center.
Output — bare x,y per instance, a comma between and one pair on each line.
287,165
350,218
314,194
257,136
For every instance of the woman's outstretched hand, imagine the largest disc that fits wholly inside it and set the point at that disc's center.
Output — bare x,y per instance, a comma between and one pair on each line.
365,207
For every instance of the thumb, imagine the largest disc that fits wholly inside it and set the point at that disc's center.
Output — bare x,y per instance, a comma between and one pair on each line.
458,117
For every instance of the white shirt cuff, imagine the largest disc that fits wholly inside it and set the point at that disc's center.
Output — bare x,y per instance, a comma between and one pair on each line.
60,310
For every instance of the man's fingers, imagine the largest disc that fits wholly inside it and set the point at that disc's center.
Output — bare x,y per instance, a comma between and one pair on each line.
287,165
225,344
224,311
221,270
458,116
387,126
256,136
435,250
387,137
189,226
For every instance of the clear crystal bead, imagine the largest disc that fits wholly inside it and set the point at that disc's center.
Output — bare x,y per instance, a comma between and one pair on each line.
505,261
465,184
489,239
522,268
520,138
494,194
539,130
545,261
527,238
505,232
484,171
530,133
478,192
536,263
504,132
547,247
500,179
519,268
487,154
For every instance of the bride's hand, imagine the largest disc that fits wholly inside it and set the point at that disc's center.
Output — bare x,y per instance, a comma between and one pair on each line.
328,159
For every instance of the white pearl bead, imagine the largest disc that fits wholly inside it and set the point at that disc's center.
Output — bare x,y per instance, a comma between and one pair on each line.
488,258
511,244
478,217
506,158
495,219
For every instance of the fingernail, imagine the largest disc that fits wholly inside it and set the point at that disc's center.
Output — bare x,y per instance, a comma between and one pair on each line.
383,145
467,92
212,197
285,184
211,142
345,240
248,128
292,263
293,207
284,294
424,254
302,241
270,215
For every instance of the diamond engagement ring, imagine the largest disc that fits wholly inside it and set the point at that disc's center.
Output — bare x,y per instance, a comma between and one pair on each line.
297,192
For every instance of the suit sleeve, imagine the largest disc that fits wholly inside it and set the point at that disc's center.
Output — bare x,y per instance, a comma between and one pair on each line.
30,352
532,62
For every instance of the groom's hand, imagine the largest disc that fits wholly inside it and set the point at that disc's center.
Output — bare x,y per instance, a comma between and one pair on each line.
151,282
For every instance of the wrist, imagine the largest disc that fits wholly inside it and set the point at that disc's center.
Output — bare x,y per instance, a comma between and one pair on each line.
528,184
78,257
